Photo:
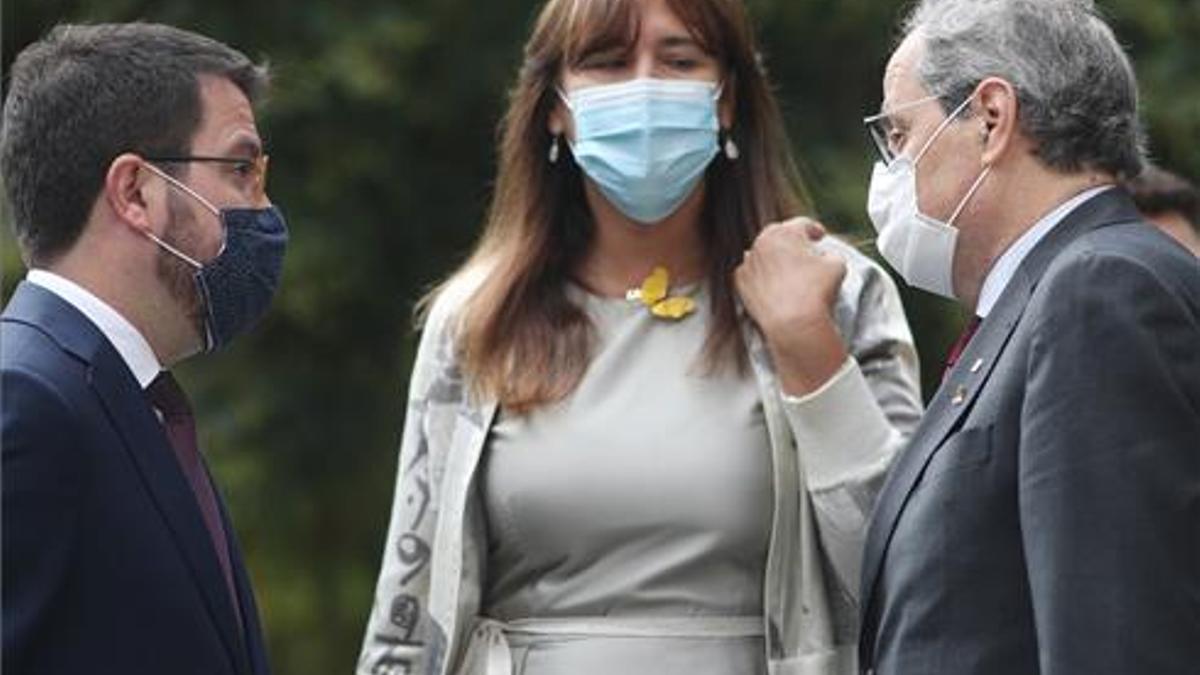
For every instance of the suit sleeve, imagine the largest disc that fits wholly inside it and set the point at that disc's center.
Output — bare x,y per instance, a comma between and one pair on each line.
849,431
1109,477
41,484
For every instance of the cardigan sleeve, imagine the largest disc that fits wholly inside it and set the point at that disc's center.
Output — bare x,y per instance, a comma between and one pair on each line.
398,630
850,429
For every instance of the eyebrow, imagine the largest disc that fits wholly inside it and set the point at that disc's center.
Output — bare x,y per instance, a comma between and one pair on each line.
680,41
246,145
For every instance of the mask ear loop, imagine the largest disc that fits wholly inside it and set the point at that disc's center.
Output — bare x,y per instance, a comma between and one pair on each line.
562,95
179,254
195,195
942,127
970,193
732,152
179,184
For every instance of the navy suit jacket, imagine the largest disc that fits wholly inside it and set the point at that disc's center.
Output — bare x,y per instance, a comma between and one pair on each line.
1045,518
107,564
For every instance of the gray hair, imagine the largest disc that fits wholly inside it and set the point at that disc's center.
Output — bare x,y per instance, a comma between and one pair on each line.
1076,89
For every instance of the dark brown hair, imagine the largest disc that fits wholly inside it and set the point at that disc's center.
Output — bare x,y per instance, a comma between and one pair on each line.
1157,191
83,95
520,338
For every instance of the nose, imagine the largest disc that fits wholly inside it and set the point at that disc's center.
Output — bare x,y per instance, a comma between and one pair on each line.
643,65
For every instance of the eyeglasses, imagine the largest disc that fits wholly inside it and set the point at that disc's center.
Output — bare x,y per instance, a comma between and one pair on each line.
251,169
884,134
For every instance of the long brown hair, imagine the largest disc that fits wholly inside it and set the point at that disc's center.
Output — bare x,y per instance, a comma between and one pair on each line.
520,338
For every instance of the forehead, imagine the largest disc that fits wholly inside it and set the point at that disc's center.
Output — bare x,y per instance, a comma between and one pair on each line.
609,24
227,119
902,81
657,18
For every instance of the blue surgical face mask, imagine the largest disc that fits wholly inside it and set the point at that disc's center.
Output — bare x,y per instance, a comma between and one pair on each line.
237,286
645,143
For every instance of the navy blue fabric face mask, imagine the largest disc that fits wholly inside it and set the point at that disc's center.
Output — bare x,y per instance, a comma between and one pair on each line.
237,286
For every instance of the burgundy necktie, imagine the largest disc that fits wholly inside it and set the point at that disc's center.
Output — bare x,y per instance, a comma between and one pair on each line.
960,345
168,397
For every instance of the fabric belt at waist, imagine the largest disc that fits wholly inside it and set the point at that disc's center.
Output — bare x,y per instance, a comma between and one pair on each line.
489,653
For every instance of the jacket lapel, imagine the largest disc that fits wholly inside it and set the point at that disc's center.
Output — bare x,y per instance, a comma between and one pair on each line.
472,424
957,394
145,441
953,399
147,444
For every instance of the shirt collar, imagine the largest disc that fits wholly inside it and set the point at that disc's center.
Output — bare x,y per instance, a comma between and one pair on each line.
1004,269
125,338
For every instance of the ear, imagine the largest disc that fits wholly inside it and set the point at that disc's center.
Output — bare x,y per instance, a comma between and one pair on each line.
997,109
130,191
727,106
559,122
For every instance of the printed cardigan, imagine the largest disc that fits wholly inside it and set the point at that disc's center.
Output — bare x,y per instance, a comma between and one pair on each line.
830,452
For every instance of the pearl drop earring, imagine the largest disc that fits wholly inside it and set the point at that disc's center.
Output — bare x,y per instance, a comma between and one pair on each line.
732,153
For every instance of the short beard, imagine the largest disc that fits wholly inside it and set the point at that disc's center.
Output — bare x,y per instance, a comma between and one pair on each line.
176,274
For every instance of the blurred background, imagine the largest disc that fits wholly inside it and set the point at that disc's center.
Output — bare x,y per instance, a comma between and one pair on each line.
381,130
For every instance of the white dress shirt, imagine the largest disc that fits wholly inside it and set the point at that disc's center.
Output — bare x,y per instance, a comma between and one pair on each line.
126,339
1004,269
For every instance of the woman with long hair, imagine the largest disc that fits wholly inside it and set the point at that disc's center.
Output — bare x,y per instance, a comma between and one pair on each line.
631,445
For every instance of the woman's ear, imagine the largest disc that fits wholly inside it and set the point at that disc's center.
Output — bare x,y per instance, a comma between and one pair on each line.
727,105
554,122
559,122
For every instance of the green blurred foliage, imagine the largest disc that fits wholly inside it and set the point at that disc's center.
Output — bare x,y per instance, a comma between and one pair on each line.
381,129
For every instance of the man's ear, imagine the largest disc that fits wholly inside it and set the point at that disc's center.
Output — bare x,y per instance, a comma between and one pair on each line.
130,191
997,110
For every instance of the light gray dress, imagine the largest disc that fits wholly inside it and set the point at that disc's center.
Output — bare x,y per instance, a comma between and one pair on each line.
646,494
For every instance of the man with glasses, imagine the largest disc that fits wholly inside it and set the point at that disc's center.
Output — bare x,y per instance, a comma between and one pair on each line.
136,180
1045,517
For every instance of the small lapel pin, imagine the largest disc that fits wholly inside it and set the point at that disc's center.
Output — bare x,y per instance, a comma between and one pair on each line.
960,395
653,293
977,366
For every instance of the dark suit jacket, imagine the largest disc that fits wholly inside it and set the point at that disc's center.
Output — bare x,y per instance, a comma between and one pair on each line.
107,565
1045,518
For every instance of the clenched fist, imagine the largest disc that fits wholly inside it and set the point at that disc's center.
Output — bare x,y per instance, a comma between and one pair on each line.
789,287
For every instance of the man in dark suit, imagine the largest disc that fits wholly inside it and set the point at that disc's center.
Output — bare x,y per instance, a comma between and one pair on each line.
1045,518
135,175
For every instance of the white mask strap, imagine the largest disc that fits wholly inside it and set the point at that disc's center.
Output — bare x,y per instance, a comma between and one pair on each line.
563,96
179,184
207,204
176,252
970,193
942,127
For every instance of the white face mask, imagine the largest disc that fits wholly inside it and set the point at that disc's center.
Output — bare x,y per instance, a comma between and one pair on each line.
919,247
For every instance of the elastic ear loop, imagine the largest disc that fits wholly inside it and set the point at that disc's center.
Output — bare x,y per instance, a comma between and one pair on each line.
942,127
179,184
970,193
929,143
195,195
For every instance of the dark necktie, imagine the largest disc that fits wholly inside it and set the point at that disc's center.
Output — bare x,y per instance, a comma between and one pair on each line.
960,345
172,403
